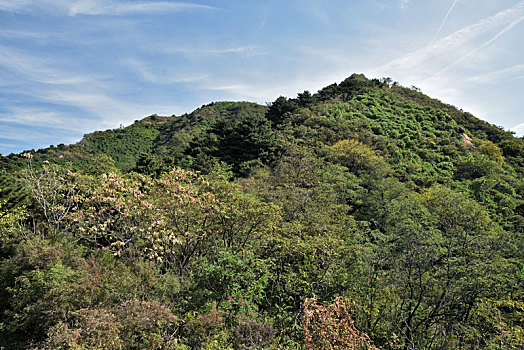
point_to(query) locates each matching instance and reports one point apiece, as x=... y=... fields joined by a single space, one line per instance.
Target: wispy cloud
x=13 y=6
x=101 y=107
x=40 y=70
x=517 y=78
x=425 y=62
x=265 y=14
x=244 y=50
x=169 y=76
x=518 y=129
x=506 y=29
x=38 y=117
x=506 y=73
x=99 y=7
x=25 y=134
x=445 y=19
x=9 y=146
x=263 y=90
x=80 y=110
x=81 y=94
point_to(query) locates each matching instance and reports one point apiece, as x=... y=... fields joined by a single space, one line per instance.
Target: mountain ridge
x=354 y=84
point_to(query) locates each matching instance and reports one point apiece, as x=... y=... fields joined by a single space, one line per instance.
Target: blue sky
x=69 y=67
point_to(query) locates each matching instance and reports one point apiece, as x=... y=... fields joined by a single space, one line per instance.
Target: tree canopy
x=366 y=215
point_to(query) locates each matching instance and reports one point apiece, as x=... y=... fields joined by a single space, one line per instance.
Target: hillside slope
x=223 y=227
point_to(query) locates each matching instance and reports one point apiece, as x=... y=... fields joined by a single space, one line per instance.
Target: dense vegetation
x=235 y=226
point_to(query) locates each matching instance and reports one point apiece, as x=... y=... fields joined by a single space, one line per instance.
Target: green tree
x=280 y=109
x=358 y=157
x=434 y=262
x=241 y=143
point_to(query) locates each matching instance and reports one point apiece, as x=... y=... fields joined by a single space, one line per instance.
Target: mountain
x=217 y=229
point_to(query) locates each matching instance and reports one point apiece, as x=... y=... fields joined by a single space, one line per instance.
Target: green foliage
x=210 y=230
x=241 y=143
x=358 y=157
x=124 y=145
x=436 y=259
x=150 y=164
x=492 y=151
x=281 y=108
x=10 y=227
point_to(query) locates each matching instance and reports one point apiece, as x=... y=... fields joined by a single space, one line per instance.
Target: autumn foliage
x=331 y=327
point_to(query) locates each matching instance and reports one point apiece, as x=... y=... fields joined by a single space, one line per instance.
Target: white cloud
x=506 y=29
x=263 y=90
x=109 y=110
x=505 y=73
x=40 y=79
x=84 y=111
x=37 y=117
x=9 y=146
x=14 y=6
x=89 y=95
x=244 y=50
x=147 y=73
x=259 y=91
x=98 y=7
x=445 y=18
x=428 y=61
x=518 y=129
x=74 y=101
x=30 y=135
x=40 y=70
x=404 y=4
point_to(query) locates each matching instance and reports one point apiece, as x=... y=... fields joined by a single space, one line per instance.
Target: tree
x=54 y=189
x=279 y=110
x=331 y=327
x=436 y=262
x=10 y=229
x=305 y=98
x=150 y=164
x=242 y=143
x=358 y=157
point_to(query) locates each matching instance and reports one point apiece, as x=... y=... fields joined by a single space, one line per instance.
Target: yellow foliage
x=492 y=151
x=357 y=156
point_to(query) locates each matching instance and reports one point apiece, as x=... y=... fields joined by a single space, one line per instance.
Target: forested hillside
x=366 y=215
